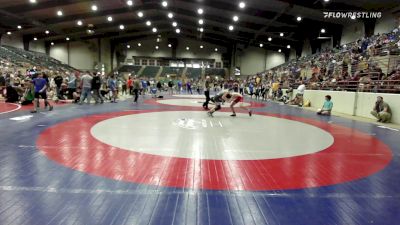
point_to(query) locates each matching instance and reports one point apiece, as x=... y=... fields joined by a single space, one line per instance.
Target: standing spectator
x=206 y=92
x=129 y=84
x=170 y=86
x=189 y=87
x=86 y=86
x=112 y=85
x=58 y=80
x=327 y=107
x=40 y=85
x=96 y=84
x=71 y=85
x=136 y=88
x=381 y=111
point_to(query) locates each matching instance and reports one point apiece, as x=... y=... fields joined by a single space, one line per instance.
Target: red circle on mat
x=8 y=107
x=354 y=155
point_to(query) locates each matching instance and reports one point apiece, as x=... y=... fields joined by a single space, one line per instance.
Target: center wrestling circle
x=187 y=153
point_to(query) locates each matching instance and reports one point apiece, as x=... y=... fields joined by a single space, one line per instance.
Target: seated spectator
x=327 y=107
x=381 y=111
x=12 y=95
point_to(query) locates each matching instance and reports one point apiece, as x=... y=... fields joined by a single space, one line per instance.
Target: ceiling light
x=158 y=39
x=164 y=3
x=288 y=46
x=323 y=30
x=121 y=27
x=94 y=7
x=235 y=18
x=279 y=50
x=281 y=34
x=52 y=43
x=178 y=30
x=174 y=24
x=148 y=23
x=326 y=0
x=140 y=14
x=35 y=38
x=79 y=23
x=154 y=30
x=139 y=44
x=200 y=11
x=19 y=27
x=270 y=39
x=157 y=47
x=59 y=13
x=230 y=27
x=47 y=32
x=201 y=46
x=169 y=45
x=128 y=46
x=109 y=19
x=170 y=15
x=201 y=29
x=67 y=38
x=129 y=3
x=187 y=48
x=216 y=49
x=299 y=18
x=9 y=33
x=242 y=5
x=261 y=45
x=201 y=21
x=32 y=1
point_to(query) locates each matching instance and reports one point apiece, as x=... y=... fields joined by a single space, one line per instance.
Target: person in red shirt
x=129 y=84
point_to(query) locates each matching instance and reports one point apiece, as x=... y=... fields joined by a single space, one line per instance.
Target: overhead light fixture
x=216 y=49
x=200 y=11
x=187 y=48
x=270 y=39
x=59 y=13
x=67 y=38
x=242 y=5
x=157 y=47
x=288 y=46
x=79 y=23
x=201 y=46
x=169 y=45
x=154 y=30
x=281 y=34
x=158 y=39
x=129 y=3
x=279 y=50
x=201 y=29
x=128 y=46
x=235 y=18
x=164 y=3
x=94 y=8
x=170 y=15
x=35 y=38
x=174 y=24
x=299 y=18
x=178 y=30
x=9 y=33
x=148 y=23
x=140 y=14
x=52 y=43
x=230 y=27
x=19 y=27
x=326 y=0
x=32 y=1
x=109 y=19
x=323 y=30
x=261 y=45
x=201 y=21
x=139 y=44
x=121 y=27
x=47 y=32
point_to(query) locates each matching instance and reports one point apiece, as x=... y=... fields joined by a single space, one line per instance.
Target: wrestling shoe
x=210 y=114
x=250 y=113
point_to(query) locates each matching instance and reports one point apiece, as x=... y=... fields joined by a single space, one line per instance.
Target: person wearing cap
x=327 y=107
x=381 y=111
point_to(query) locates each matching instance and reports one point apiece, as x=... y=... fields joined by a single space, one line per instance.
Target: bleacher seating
x=194 y=73
x=171 y=70
x=150 y=71
x=129 y=69
x=215 y=72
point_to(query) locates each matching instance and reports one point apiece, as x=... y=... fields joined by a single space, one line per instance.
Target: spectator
x=327 y=107
x=86 y=85
x=96 y=84
x=381 y=111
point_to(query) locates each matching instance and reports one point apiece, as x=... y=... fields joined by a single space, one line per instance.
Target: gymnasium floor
x=167 y=162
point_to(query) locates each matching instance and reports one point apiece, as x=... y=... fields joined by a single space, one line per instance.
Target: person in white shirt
x=298 y=100
x=86 y=85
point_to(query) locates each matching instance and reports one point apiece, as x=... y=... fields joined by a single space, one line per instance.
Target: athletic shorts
x=42 y=95
x=238 y=99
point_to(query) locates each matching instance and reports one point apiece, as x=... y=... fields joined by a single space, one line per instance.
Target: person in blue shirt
x=327 y=107
x=112 y=85
x=40 y=86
